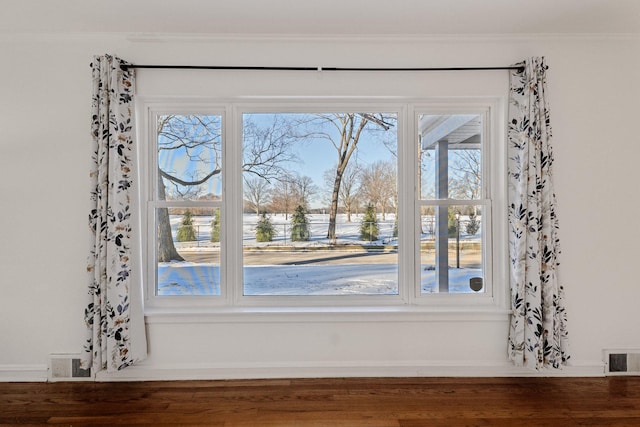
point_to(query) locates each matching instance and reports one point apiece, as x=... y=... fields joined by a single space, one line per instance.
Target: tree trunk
x=166 y=249
x=348 y=144
x=333 y=208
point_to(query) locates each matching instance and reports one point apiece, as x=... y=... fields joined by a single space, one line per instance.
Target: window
x=337 y=204
x=453 y=202
x=321 y=203
x=185 y=203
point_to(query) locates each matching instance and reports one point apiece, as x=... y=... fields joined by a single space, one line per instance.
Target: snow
x=189 y=278
x=350 y=279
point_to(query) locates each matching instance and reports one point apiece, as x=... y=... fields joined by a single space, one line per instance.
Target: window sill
x=326 y=314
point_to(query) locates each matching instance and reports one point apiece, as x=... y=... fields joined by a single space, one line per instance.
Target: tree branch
x=177 y=180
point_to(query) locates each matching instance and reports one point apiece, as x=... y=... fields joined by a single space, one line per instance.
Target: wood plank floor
x=405 y=402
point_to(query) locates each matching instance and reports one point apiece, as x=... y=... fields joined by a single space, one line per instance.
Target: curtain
x=113 y=316
x=538 y=331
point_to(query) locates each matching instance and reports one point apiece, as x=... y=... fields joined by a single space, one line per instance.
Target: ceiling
x=322 y=17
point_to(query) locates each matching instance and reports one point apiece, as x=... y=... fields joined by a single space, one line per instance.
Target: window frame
x=409 y=298
x=148 y=165
x=492 y=186
x=314 y=106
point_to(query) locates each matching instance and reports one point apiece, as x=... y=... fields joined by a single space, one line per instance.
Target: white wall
x=44 y=157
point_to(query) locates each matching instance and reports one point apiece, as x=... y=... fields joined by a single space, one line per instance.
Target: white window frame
x=409 y=299
x=317 y=106
x=148 y=201
x=493 y=201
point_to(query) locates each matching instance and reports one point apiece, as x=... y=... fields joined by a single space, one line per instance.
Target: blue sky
x=314 y=156
x=318 y=155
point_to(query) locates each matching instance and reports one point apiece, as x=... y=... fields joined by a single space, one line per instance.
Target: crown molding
x=366 y=38
x=192 y=38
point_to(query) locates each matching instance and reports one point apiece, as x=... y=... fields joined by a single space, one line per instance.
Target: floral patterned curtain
x=538 y=332
x=115 y=326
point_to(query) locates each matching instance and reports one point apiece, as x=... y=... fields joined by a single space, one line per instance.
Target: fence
x=316 y=231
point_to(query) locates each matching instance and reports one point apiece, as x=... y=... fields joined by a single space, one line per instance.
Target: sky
x=316 y=156
x=313 y=156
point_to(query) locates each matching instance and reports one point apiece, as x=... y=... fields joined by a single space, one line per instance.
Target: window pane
x=451 y=249
x=320 y=202
x=450 y=150
x=188 y=251
x=189 y=157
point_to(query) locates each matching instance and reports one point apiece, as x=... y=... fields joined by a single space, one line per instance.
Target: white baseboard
x=340 y=370
x=142 y=372
x=23 y=373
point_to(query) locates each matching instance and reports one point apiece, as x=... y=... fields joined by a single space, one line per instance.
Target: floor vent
x=66 y=367
x=622 y=362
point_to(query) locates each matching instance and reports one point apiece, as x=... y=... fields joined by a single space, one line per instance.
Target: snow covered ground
x=189 y=278
x=351 y=279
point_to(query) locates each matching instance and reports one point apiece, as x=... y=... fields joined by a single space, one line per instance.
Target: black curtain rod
x=230 y=67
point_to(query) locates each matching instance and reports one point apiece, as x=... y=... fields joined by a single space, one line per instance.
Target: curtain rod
x=230 y=67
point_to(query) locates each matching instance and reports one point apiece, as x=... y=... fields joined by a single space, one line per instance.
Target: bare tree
x=378 y=185
x=195 y=140
x=350 y=128
x=349 y=194
x=166 y=249
x=303 y=188
x=466 y=174
x=256 y=192
x=283 y=198
x=267 y=148
x=185 y=139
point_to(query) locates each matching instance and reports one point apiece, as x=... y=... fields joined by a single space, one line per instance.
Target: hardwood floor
x=405 y=402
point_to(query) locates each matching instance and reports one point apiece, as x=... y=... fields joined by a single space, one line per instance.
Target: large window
x=338 y=204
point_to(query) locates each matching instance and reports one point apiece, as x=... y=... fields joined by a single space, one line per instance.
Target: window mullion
x=234 y=200
x=409 y=248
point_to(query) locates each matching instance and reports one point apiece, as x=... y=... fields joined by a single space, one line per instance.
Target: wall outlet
x=66 y=367
x=622 y=362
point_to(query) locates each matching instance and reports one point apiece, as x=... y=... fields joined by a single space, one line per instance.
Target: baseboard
x=39 y=373
x=341 y=370
x=23 y=373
